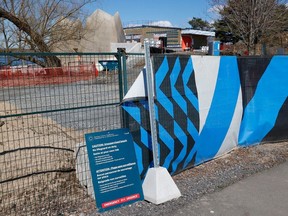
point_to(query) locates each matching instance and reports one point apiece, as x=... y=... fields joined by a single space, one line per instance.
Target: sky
x=177 y=12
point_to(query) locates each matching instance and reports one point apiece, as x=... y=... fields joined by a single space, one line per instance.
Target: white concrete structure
x=130 y=47
x=101 y=30
x=159 y=187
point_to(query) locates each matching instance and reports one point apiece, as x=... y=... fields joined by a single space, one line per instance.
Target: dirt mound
x=37 y=161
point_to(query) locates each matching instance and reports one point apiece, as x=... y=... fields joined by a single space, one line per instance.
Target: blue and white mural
x=199 y=107
x=265 y=86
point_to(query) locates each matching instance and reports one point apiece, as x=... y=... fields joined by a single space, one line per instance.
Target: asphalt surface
x=265 y=193
x=72 y=95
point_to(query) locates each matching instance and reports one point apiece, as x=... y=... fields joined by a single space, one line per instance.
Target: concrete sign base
x=159 y=187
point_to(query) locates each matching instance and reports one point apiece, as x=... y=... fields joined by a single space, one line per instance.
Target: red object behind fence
x=28 y=75
x=96 y=72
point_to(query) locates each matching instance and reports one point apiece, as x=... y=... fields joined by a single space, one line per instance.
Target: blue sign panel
x=216 y=48
x=113 y=168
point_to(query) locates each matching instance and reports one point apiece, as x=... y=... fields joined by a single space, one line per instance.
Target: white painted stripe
x=206 y=72
x=137 y=90
x=231 y=139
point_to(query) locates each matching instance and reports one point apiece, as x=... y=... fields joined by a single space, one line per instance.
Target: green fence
x=48 y=101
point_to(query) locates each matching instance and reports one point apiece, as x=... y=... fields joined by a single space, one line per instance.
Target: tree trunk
x=51 y=61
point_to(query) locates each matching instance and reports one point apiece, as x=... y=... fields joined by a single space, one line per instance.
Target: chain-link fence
x=47 y=103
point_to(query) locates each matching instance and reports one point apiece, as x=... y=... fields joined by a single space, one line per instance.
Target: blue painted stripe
x=145 y=104
x=261 y=113
x=169 y=141
x=221 y=111
x=156 y=112
x=159 y=78
x=180 y=134
x=192 y=130
x=195 y=134
x=139 y=157
x=186 y=76
x=145 y=138
x=175 y=94
x=133 y=111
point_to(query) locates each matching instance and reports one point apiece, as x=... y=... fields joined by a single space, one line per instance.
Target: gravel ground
x=210 y=177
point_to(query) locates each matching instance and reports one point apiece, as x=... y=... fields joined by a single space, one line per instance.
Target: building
x=170 y=37
x=196 y=39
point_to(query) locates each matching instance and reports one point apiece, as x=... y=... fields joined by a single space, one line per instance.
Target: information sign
x=114 y=170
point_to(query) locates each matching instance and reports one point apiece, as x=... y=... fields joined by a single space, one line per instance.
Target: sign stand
x=158 y=186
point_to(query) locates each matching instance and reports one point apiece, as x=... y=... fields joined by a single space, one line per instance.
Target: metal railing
x=48 y=101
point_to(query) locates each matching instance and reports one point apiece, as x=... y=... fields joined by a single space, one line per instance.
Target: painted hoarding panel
x=207 y=105
x=196 y=100
x=264 y=83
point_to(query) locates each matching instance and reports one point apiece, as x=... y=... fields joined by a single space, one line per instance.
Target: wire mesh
x=47 y=103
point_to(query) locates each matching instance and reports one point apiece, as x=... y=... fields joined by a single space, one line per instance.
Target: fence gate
x=48 y=101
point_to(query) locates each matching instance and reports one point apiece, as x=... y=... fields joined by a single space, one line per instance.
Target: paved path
x=264 y=194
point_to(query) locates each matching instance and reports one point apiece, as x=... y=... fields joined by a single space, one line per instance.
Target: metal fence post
x=158 y=185
x=122 y=76
x=150 y=90
x=118 y=56
x=120 y=83
x=124 y=69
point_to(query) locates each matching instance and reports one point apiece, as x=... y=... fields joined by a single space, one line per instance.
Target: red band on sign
x=120 y=200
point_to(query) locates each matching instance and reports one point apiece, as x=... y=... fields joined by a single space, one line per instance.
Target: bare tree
x=253 y=20
x=39 y=25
